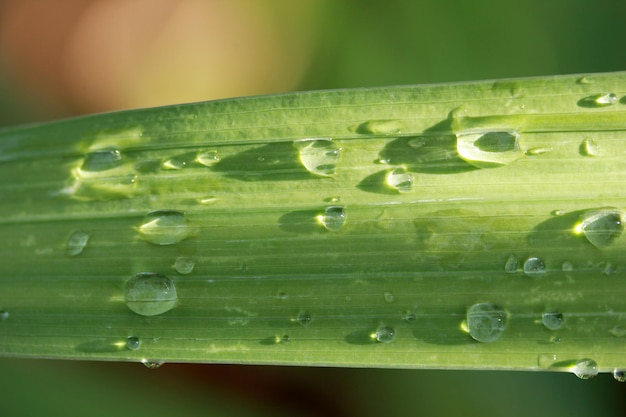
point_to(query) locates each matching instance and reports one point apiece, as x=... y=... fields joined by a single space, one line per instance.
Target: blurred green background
x=70 y=57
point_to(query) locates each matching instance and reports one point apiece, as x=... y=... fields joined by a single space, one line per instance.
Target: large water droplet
x=150 y=294
x=333 y=219
x=77 y=242
x=384 y=334
x=589 y=147
x=164 y=227
x=133 y=343
x=585 y=368
x=400 y=180
x=381 y=127
x=490 y=149
x=102 y=160
x=184 y=265
x=319 y=156
x=598 y=100
x=208 y=158
x=534 y=267
x=553 y=320
x=619 y=375
x=601 y=227
x=486 y=322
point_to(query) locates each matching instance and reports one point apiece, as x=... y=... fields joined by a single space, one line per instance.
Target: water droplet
x=567 y=266
x=174 y=164
x=133 y=343
x=381 y=127
x=333 y=199
x=77 y=242
x=383 y=334
x=101 y=160
x=4 y=315
x=319 y=156
x=598 y=100
x=410 y=317
x=487 y=150
x=389 y=297
x=553 y=320
x=152 y=364
x=400 y=180
x=557 y=212
x=208 y=158
x=619 y=375
x=585 y=368
x=538 y=151
x=304 y=319
x=184 y=265
x=601 y=227
x=278 y=339
x=281 y=295
x=486 y=322
x=534 y=267
x=164 y=227
x=511 y=264
x=207 y=200
x=618 y=331
x=333 y=218
x=589 y=147
x=150 y=294
x=584 y=80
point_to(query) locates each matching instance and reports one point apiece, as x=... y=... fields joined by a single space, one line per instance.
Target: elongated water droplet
x=150 y=364
x=384 y=334
x=164 y=227
x=598 y=100
x=400 y=180
x=486 y=322
x=534 y=267
x=619 y=375
x=488 y=149
x=208 y=158
x=538 y=151
x=133 y=343
x=101 y=160
x=333 y=219
x=553 y=320
x=585 y=368
x=511 y=264
x=304 y=319
x=585 y=79
x=381 y=127
x=184 y=265
x=601 y=227
x=150 y=294
x=589 y=147
x=77 y=242
x=319 y=156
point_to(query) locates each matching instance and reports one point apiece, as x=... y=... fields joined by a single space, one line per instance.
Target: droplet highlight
x=552 y=320
x=184 y=265
x=333 y=219
x=585 y=368
x=486 y=322
x=400 y=180
x=164 y=227
x=534 y=267
x=490 y=149
x=601 y=227
x=150 y=294
x=319 y=156
x=77 y=242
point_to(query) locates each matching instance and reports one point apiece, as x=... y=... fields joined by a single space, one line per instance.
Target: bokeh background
x=68 y=57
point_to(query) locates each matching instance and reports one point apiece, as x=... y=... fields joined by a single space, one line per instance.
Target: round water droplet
x=152 y=364
x=486 y=322
x=133 y=343
x=381 y=127
x=410 y=317
x=208 y=158
x=184 y=265
x=601 y=227
x=618 y=331
x=334 y=218
x=400 y=180
x=553 y=320
x=534 y=267
x=319 y=156
x=389 y=297
x=589 y=147
x=619 y=375
x=101 y=160
x=585 y=368
x=598 y=100
x=164 y=227
x=4 y=315
x=488 y=149
x=77 y=242
x=304 y=319
x=384 y=334
x=567 y=266
x=511 y=264
x=150 y=294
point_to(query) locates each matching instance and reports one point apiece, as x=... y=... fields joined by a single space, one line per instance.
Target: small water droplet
x=410 y=317
x=333 y=219
x=304 y=319
x=174 y=164
x=150 y=294
x=400 y=180
x=383 y=334
x=601 y=227
x=389 y=297
x=333 y=199
x=589 y=147
x=511 y=264
x=538 y=151
x=4 y=315
x=281 y=295
x=585 y=368
x=557 y=212
x=207 y=200
x=152 y=364
x=584 y=80
x=567 y=266
x=279 y=339
x=208 y=158
x=609 y=269
x=77 y=242
x=319 y=156
x=619 y=375
x=102 y=160
x=133 y=343
x=184 y=265
x=490 y=149
x=618 y=331
x=553 y=320
x=164 y=227
x=381 y=127
x=534 y=267
x=486 y=322
x=598 y=100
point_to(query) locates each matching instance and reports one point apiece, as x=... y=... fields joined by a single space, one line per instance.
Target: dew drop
x=174 y=164
x=304 y=319
x=585 y=368
x=567 y=266
x=534 y=267
x=619 y=375
x=133 y=343
x=584 y=80
x=487 y=150
x=618 y=331
x=184 y=265
x=208 y=158
x=150 y=294
x=589 y=147
x=400 y=180
x=333 y=219
x=319 y=156
x=410 y=317
x=381 y=127
x=389 y=297
x=383 y=334
x=4 y=315
x=553 y=320
x=601 y=227
x=486 y=322
x=77 y=242
x=511 y=264
x=538 y=151
x=164 y=227
x=598 y=100
x=152 y=364
x=101 y=160
x=281 y=295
